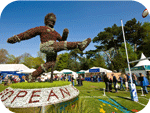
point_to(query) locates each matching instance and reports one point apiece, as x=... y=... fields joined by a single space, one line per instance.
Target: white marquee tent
x=54 y=72
x=141 y=67
x=69 y=71
x=142 y=62
x=27 y=71
x=13 y=67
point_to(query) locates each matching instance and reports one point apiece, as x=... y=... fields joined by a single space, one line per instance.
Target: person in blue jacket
x=144 y=82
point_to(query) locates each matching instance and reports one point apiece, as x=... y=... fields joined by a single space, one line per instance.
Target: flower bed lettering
x=18 y=98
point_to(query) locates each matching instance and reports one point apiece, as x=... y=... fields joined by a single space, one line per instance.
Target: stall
x=96 y=71
x=143 y=66
x=67 y=71
x=12 y=69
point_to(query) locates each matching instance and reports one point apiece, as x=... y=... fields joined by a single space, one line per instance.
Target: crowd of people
x=9 y=79
x=110 y=81
x=125 y=80
x=96 y=78
x=64 y=77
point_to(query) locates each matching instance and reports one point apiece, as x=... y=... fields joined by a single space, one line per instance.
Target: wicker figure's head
x=50 y=20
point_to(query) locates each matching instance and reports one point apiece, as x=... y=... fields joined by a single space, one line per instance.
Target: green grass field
x=91 y=100
x=92 y=92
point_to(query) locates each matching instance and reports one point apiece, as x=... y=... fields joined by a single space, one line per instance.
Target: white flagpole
x=133 y=92
x=126 y=52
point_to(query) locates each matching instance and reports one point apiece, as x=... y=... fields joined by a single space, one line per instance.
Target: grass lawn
x=91 y=100
x=112 y=102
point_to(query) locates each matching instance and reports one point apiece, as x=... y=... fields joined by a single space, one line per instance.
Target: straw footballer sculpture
x=49 y=46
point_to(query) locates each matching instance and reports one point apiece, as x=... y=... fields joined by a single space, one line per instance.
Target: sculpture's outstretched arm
x=25 y=35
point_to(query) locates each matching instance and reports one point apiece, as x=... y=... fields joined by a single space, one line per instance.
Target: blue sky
x=83 y=19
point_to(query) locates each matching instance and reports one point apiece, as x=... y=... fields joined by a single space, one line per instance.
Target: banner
x=135 y=68
x=133 y=92
x=94 y=70
x=20 y=98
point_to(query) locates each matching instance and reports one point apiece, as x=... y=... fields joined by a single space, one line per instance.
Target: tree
x=75 y=53
x=99 y=61
x=74 y=56
x=41 y=55
x=37 y=61
x=84 y=63
x=134 y=33
x=3 y=56
x=28 y=61
x=32 y=62
x=62 y=63
x=120 y=60
x=73 y=65
x=11 y=59
x=91 y=53
x=109 y=40
x=24 y=57
x=144 y=47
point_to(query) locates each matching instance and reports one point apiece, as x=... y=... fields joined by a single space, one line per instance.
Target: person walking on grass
x=134 y=79
x=106 y=82
x=110 y=83
x=128 y=78
x=79 y=80
x=115 y=82
x=72 y=80
x=126 y=82
x=121 y=82
x=144 y=82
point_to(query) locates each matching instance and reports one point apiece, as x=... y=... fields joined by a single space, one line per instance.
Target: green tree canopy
x=99 y=61
x=134 y=33
x=120 y=60
x=144 y=47
x=110 y=40
x=32 y=62
x=3 y=56
x=62 y=62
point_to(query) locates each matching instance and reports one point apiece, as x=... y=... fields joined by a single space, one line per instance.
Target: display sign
x=67 y=72
x=133 y=92
x=136 y=68
x=20 y=98
x=94 y=70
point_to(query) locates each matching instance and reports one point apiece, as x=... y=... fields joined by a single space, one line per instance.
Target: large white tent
x=69 y=71
x=141 y=67
x=96 y=69
x=28 y=71
x=54 y=72
x=13 y=67
x=143 y=62
x=57 y=72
